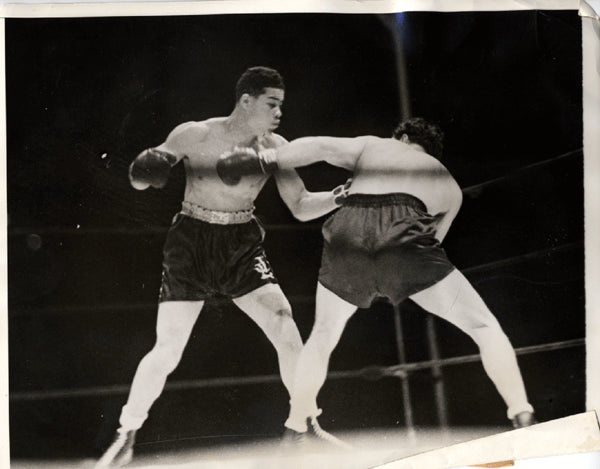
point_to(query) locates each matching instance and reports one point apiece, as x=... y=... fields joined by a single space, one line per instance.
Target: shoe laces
x=322 y=434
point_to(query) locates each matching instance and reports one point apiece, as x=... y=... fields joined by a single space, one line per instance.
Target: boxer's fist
x=232 y=165
x=151 y=168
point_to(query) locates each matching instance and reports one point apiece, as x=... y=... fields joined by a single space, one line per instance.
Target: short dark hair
x=254 y=81
x=424 y=133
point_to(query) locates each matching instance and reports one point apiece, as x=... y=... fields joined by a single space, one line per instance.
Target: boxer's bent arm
x=171 y=151
x=184 y=138
x=337 y=151
x=151 y=168
x=448 y=218
x=303 y=204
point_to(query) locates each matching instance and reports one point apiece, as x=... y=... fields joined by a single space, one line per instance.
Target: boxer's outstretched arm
x=337 y=151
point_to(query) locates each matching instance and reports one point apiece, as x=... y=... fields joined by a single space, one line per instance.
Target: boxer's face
x=264 y=111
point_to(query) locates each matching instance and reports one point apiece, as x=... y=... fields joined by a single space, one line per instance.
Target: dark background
x=84 y=96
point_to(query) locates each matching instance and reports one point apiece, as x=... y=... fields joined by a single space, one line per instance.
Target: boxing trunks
x=381 y=246
x=211 y=253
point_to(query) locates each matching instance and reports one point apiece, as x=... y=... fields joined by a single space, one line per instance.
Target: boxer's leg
x=173 y=327
x=268 y=307
x=455 y=300
x=331 y=316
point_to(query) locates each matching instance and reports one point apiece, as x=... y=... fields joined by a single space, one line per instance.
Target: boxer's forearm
x=313 y=205
x=306 y=205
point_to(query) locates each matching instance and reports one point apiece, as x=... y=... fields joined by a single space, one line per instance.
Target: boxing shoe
x=120 y=453
x=293 y=439
x=523 y=419
x=313 y=433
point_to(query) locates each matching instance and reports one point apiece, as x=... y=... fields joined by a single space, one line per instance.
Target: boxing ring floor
x=369 y=449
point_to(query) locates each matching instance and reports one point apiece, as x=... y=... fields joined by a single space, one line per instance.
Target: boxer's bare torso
x=199 y=145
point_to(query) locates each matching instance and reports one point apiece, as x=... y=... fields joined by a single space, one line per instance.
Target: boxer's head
x=418 y=130
x=255 y=80
x=260 y=93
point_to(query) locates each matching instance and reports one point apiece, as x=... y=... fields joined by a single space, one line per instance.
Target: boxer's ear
x=245 y=99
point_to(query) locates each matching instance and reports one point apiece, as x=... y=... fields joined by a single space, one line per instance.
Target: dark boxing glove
x=151 y=168
x=232 y=165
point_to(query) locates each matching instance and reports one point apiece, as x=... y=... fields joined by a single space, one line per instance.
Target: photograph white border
x=589 y=11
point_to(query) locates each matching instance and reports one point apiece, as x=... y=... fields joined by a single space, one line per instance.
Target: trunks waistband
x=217 y=217
x=380 y=200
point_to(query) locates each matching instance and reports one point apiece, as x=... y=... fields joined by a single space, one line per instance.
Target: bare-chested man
x=214 y=245
x=385 y=242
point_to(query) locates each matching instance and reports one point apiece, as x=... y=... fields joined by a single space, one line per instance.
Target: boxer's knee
x=283 y=313
x=485 y=331
x=475 y=318
x=283 y=331
x=166 y=356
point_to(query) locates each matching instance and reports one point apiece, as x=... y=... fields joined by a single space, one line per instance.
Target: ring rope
x=294 y=299
x=371 y=373
x=161 y=230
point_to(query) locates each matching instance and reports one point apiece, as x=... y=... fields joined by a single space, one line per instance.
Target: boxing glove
x=232 y=165
x=151 y=168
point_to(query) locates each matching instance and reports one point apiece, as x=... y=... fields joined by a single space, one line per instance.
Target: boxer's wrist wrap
x=341 y=192
x=268 y=161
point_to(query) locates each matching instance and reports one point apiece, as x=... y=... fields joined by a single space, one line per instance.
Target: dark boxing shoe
x=523 y=419
x=120 y=453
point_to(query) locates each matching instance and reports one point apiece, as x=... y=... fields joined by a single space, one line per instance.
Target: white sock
x=296 y=425
x=130 y=422
x=298 y=422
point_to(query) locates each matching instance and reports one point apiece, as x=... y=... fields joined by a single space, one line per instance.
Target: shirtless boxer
x=385 y=242
x=214 y=245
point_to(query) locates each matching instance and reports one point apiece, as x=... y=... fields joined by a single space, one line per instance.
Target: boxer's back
x=387 y=165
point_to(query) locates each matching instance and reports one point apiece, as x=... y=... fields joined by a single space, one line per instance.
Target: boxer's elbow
x=303 y=206
x=301 y=211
